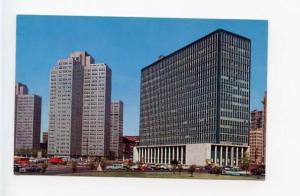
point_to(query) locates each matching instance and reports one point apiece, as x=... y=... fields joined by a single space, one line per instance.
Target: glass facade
x=198 y=94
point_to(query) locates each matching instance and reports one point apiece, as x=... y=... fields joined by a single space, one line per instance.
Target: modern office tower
x=256 y=145
x=79 y=115
x=65 y=112
x=116 y=119
x=27 y=119
x=257 y=119
x=194 y=104
x=96 y=110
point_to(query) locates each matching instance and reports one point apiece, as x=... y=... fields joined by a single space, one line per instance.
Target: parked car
x=31 y=168
x=56 y=160
x=260 y=170
x=116 y=166
x=151 y=167
x=164 y=167
x=16 y=168
x=134 y=167
x=235 y=171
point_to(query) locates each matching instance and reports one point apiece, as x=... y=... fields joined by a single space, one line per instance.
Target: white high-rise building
x=96 y=110
x=27 y=119
x=79 y=115
x=116 y=119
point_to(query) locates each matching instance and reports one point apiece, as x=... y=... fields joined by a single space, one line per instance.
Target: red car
x=56 y=160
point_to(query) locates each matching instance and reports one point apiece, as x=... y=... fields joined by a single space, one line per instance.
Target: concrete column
x=169 y=156
x=155 y=155
x=165 y=155
x=242 y=155
x=142 y=154
x=151 y=156
x=173 y=154
x=181 y=157
x=221 y=155
x=237 y=156
x=215 y=156
x=161 y=154
x=158 y=157
x=147 y=155
x=177 y=153
x=231 y=158
x=226 y=156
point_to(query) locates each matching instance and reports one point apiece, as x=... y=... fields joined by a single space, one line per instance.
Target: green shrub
x=192 y=169
x=74 y=166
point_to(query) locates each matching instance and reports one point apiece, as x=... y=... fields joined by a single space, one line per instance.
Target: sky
x=126 y=45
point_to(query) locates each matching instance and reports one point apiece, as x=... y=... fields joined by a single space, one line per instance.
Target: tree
x=174 y=164
x=246 y=162
x=216 y=170
x=192 y=169
x=180 y=169
x=74 y=166
x=92 y=165
x=44 y=167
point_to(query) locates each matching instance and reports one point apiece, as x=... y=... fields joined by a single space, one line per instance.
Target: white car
x=115 y=167
x=134 y=167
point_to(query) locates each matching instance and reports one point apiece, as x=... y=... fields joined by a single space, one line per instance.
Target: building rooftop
x=161 y=57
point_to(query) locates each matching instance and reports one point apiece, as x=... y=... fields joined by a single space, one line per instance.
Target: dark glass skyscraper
x=198 y=94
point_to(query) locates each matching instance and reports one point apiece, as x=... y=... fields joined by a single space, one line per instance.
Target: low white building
x=188 y=154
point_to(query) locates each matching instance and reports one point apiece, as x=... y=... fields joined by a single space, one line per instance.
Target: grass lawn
x=184 y=175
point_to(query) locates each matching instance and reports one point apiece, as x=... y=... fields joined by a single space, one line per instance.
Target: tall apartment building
x=27 y=119
x=116 y=119
x=77 y=106
x=257 y=120
x=195 y=103
x=257 y=135
x=96 y=110
x=264 y=102
x=256 y=145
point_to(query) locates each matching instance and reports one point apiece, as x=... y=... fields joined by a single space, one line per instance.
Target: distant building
x=195 y=103
x=79 y=114
x=21 y=89
x=264 y=102
x=129 y=142
x=116 y=119
x=45 y=137
x=257 y=135
x=256 y=145
x=27 y=119
x=257 y=120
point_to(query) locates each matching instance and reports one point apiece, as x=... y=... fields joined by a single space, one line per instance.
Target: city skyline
x=120 y=45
